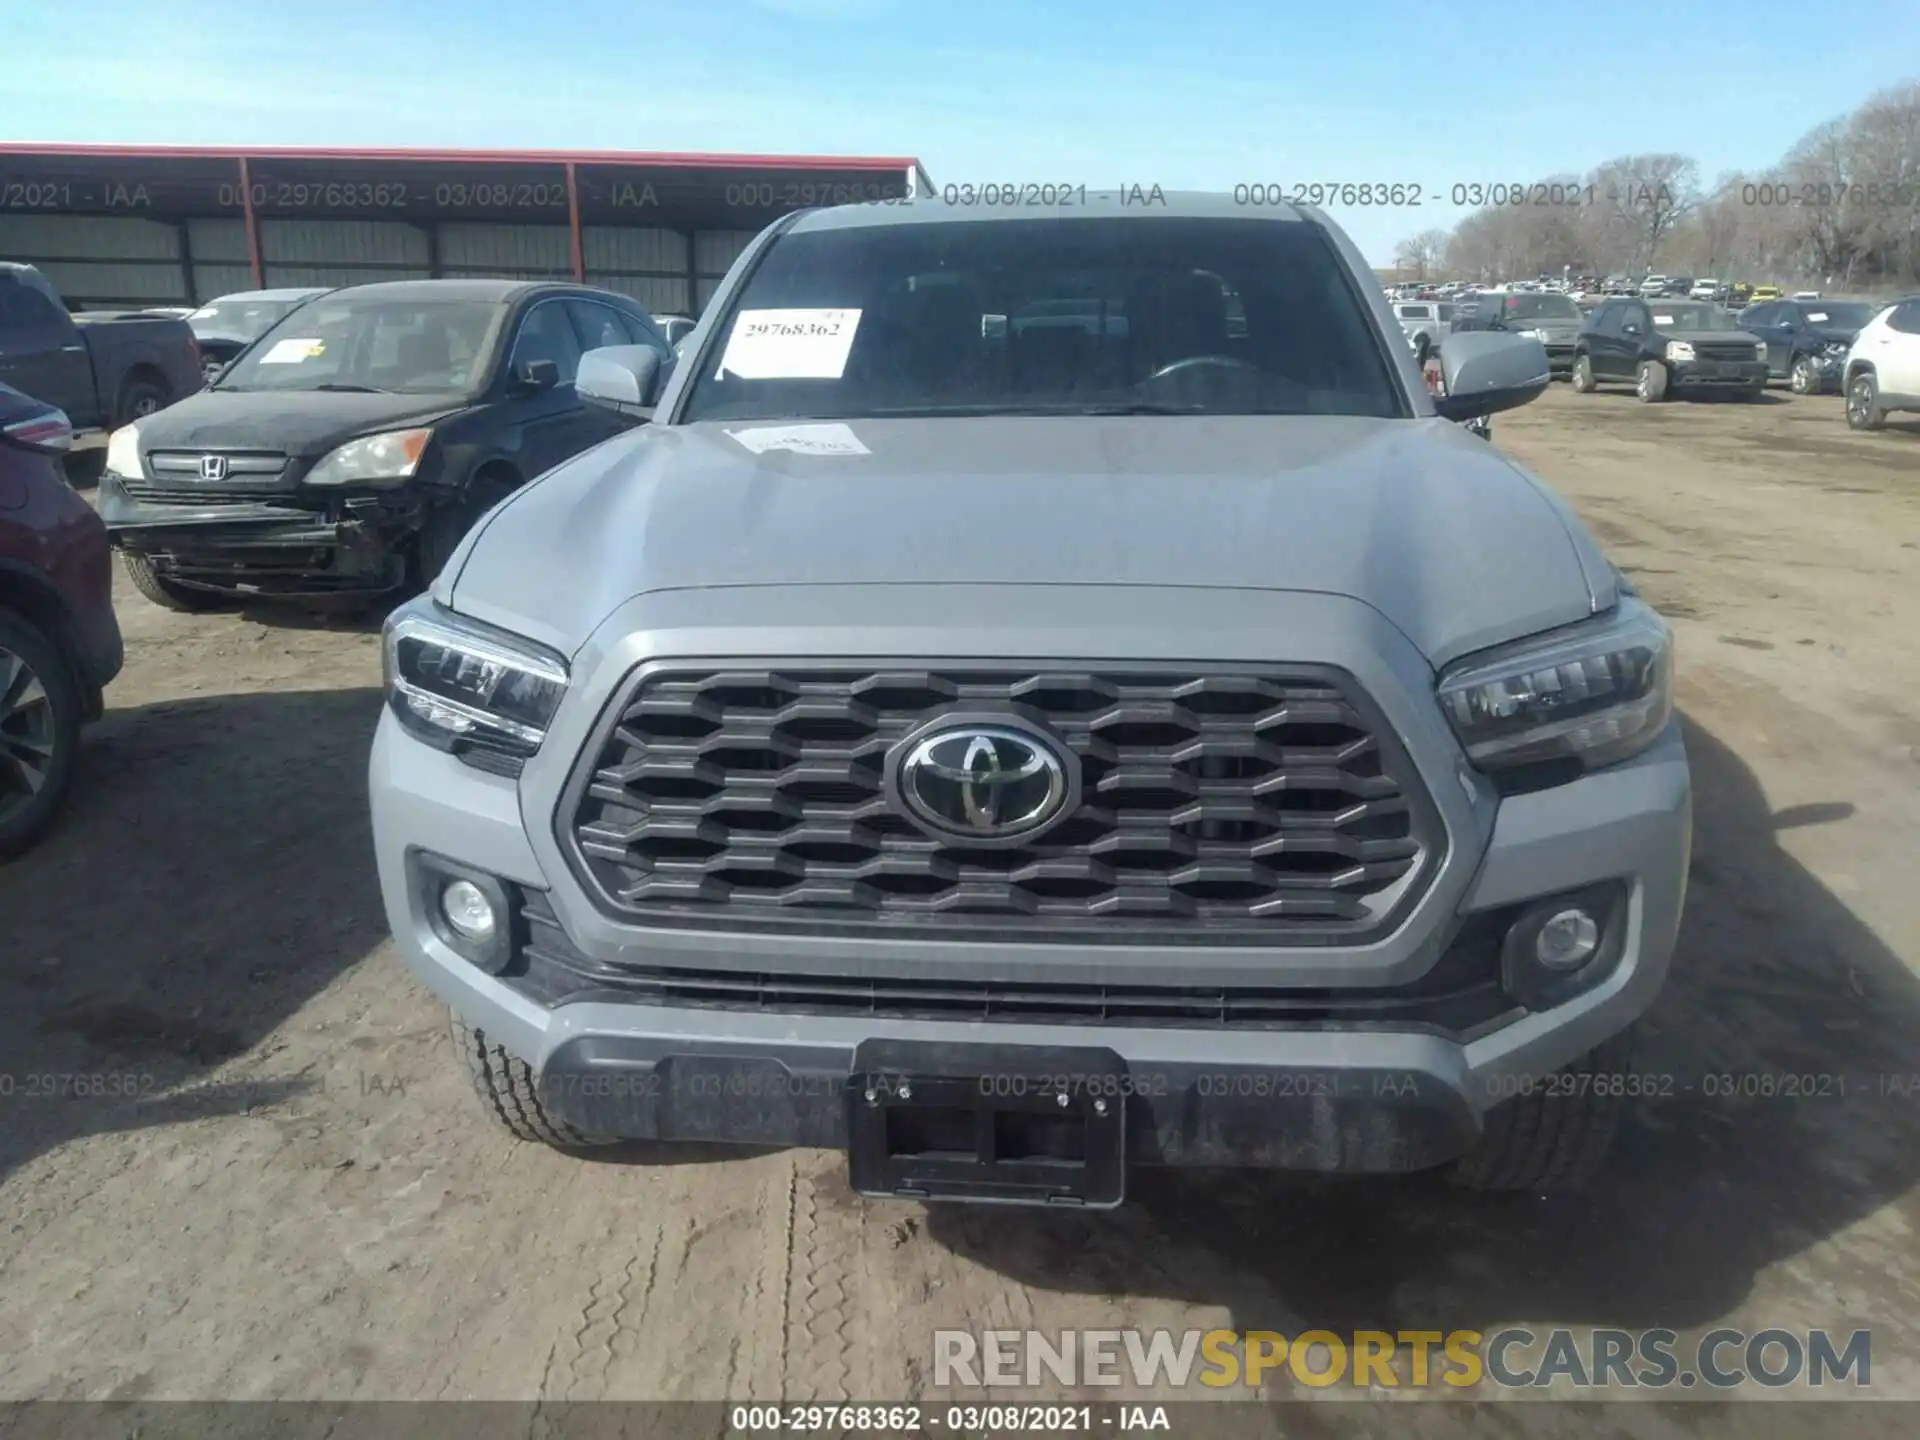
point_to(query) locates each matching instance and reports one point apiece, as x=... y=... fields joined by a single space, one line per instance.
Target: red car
x=59 y=641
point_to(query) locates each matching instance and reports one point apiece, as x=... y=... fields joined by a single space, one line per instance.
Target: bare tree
x=1421 y=253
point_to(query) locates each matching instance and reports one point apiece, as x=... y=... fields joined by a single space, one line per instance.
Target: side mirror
x=1486 y=372
x=538 y=374
x=626 y=379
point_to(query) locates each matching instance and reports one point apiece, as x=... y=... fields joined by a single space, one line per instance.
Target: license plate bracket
x=1012 y=1125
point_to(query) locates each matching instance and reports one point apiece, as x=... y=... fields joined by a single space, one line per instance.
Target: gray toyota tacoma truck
x=1048 y=692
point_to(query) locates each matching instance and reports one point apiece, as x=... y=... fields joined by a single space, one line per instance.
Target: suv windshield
x=1838 y=315
x=1693 y=317
x=1053 y=316
x=404 y=346
x=239 y=319
x=1539 y=307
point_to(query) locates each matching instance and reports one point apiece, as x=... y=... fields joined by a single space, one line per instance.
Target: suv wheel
x=509 y=1090
x=39 y=730
x=1650 y=381
x=165 y=593
x=1553 y=1139
x=1582 y=378
x=447 y=525
x=1803 y=379
x=1864 y=411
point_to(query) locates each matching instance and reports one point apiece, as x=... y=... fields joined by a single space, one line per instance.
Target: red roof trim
x=495 y=157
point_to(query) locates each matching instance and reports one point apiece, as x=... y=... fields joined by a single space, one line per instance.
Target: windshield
x=1187 y=315
x=1693 y=317
x=402 y=346
x=1839 y=314
x=239 y=319
x=1539 y=307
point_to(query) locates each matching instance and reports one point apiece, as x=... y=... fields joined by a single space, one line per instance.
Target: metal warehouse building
x=120 y=227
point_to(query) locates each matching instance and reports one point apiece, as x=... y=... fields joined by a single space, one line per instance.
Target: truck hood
x=1427 y=524
x=303 y=423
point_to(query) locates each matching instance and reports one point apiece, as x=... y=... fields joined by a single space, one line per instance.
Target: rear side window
x=1905 y=318
x=599 y=325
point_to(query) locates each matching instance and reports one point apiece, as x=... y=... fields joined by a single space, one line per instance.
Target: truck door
x=41 y=352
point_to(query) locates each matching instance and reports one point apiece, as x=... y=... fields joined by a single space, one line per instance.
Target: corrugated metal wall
x=127 y=260
x=342 y=252
x=220 y=264
x=647 y=263
x=714 y=252
x=120 y=259
x=527 y=252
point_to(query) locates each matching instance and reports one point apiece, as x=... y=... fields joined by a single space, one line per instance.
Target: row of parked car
x=328 y=445
x=1670 y=346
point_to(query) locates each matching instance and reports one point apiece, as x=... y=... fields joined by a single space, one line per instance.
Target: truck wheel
x=1650 y=381
x=1582 y=378
x=1803 y=379
x=508 y=1090
x=1552 y=1139
x=1863 y=403
x=140 y=396
x=165 y=593
x=39 y=731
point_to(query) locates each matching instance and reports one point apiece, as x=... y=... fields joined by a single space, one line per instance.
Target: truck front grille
x=1722 y=350
x=1225 y=805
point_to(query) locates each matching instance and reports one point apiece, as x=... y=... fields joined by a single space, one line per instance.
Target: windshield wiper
x=1132 y=407
x=351 y=389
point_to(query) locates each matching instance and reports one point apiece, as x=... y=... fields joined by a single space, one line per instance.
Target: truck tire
x=1650 y=381
x=40 y=709
x=164 y=593
x=1582 y=377
x=140 y=395
x=509 y=1092
x=1553 y=1139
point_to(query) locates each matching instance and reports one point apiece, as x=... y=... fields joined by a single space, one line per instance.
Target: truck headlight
x=1679 y=350
x=1594 y=693
x=469 y=688
x=386 y=459
x=123 y=451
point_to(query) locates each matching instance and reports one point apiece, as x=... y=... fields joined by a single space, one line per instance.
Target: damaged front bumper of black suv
x=275 y=548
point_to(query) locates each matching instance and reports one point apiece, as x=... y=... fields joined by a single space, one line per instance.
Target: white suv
x=1882 y=370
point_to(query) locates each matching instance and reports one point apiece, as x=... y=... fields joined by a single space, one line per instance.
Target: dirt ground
x=303 y=1201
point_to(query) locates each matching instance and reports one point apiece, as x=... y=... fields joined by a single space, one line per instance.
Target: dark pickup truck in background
x=102 y=371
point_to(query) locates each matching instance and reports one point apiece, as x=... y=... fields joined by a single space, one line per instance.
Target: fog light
x=1567 y=940
x=468 y=912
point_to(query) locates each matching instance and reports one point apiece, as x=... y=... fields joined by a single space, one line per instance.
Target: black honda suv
x=352 y=446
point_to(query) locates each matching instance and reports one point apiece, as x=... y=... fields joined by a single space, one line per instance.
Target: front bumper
x=1327 y=1096
x=277 y=547
x=1719 y=374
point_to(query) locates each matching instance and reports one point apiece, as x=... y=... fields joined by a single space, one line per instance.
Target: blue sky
x=1190 y=96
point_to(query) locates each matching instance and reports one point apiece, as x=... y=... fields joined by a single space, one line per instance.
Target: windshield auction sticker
x=822 y=439
x=789 y=344
x=292 y=352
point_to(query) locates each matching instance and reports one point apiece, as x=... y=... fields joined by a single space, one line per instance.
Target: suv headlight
x=1594 y=693
x=123 y=451
x=467 y=688
x=1679 y=350
x=386 y=459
